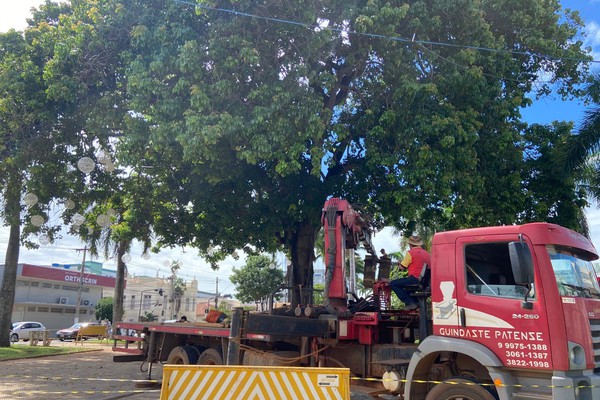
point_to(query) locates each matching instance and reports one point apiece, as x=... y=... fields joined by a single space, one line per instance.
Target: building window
x=132 y=303
x=22 y=283
x=147 y=301
x=35 y=284
x=56 y=286
x=31 y=308
x=42 y=309
x=56 y=310
x=69 y=311
x=187 y=304
x=47 y=285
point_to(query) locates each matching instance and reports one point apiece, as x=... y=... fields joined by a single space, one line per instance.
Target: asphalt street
x=89 y=375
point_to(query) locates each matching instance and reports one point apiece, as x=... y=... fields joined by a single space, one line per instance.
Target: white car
x=20 y=330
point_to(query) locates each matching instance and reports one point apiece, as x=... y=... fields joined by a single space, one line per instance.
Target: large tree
x=252 y=114
x=37 y=148
x=55 y=77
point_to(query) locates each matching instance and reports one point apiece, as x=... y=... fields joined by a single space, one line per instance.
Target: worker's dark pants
x=397 y=286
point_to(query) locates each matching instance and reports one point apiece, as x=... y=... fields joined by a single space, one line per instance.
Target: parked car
x=20 y=330
x=71 y=333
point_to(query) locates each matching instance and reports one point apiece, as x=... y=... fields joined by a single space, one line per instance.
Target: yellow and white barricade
x=221 y=382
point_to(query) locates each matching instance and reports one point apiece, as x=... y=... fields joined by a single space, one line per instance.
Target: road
x=90 y=375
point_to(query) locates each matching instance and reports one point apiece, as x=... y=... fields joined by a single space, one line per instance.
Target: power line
x=187 y=273
x=381 y=36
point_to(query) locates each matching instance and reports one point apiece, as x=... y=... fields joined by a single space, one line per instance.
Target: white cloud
x=592 y=31
x=386 y=239
x=15 y=13
x=593 y=217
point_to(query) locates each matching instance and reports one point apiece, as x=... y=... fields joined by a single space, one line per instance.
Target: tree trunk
x=302 y=252
x=9 y=278
x=119 y=284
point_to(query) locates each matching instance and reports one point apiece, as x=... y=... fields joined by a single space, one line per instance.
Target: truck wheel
x=210 y=357
x=182 y=355
x=459 y=389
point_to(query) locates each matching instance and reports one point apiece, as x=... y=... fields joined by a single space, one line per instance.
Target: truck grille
x=595 y=330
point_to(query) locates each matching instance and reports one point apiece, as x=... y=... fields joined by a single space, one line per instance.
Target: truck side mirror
x=521 y=263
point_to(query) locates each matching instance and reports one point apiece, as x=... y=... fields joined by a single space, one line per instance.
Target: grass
x=26 y=351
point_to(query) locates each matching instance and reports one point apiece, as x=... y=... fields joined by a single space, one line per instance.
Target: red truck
x=509 y=312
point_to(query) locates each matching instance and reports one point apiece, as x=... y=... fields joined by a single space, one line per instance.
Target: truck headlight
x=576 y=356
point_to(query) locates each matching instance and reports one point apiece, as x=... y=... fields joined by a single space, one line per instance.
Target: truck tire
x=182 y=355
x=210 y=357
x=459 y=389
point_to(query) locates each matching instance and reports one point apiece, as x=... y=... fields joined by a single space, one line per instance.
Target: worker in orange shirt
x=414 y=260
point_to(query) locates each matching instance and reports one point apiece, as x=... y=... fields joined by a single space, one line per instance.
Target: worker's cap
x=415 y=241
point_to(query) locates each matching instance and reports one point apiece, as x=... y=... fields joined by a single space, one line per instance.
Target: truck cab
x=515 y=308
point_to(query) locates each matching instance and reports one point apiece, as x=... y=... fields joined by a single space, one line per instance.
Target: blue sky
x=552 y=108
x=546 y=110
x=14 y=14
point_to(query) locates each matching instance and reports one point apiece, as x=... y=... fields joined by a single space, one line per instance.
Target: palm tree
x=583 y=149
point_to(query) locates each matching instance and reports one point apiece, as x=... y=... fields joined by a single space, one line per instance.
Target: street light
x=160 y=293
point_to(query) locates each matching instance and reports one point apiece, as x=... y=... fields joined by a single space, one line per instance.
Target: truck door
x=487 y=306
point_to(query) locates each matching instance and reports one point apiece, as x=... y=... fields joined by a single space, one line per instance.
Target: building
x=49 y=294
x=319 y=276
x=147 y=295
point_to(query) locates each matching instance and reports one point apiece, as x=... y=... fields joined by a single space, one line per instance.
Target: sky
x=63 y=251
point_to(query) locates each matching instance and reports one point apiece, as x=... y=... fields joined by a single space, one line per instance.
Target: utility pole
x=80 y=288
x=172 y=314
x=217 y=295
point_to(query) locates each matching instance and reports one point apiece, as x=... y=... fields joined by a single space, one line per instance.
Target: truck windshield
x=575 y=274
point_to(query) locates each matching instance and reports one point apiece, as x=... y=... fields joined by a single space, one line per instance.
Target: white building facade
x=144 y=295
x=49 y=295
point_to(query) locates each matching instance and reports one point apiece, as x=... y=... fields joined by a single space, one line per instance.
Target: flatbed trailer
x=366 y=344
x=185 y=343
x=134 y=333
